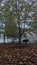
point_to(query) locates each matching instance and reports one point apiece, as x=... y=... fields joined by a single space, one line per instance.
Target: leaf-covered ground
x=12 y=54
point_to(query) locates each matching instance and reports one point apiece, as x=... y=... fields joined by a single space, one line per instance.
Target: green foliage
x=9 y=12
x=11 y=29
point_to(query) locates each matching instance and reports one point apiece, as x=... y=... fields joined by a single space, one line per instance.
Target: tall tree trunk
x=12 y=40
x=19 y=35
x=4 y=38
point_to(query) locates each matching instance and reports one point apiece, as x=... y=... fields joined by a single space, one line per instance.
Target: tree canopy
x=20 y=16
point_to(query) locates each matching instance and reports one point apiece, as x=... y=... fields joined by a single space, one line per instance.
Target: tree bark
x=4 y=38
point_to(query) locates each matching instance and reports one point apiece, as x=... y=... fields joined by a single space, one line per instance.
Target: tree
x=6 y=13
x=23 y=12
x=11 y=29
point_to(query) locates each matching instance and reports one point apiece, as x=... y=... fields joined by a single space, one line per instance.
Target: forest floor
x=16 y=54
